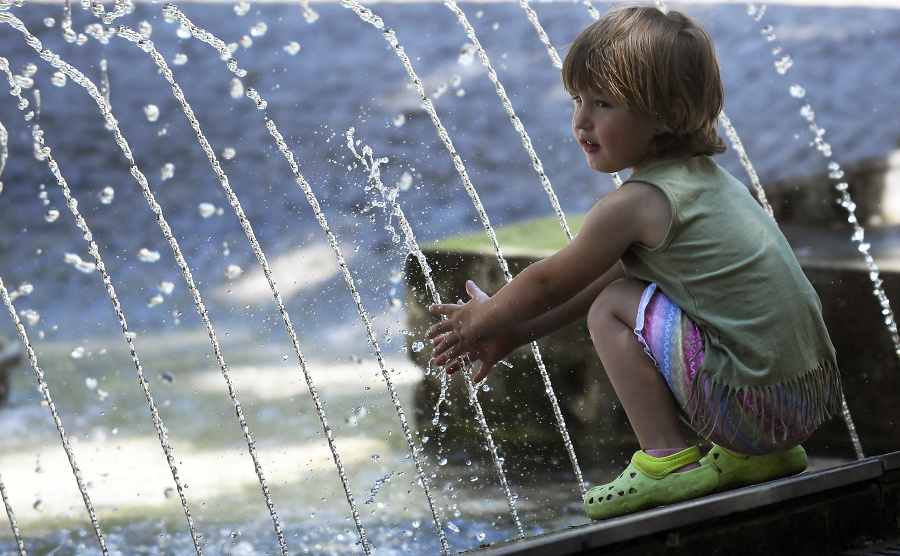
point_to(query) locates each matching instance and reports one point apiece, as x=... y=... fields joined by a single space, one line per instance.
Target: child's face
x=612 y=137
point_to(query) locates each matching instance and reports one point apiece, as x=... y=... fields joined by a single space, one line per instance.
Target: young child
x=694 y=300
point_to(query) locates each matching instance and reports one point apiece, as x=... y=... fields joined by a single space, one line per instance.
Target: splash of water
x=45 y=390
x=368 y=161
x=171 y=11
x=94 y=249
x=391 y=37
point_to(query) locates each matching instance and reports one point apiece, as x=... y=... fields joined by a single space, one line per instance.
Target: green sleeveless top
x=726 y=264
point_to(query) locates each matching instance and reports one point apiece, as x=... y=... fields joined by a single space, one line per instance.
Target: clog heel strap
x=657 y=468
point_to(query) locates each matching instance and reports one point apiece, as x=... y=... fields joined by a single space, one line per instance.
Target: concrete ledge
x=813 y=513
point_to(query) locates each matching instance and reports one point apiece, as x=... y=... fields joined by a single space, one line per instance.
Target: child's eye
x=576 y=99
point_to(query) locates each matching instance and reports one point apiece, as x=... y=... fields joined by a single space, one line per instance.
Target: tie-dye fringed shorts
x=675 y=343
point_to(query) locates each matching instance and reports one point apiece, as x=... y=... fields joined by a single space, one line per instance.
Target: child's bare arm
x=497 y=346
x=634 y=213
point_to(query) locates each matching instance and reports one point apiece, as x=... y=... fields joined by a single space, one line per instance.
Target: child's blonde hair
x=659 y=65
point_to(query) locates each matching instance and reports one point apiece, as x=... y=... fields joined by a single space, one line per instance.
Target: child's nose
x=580 y=120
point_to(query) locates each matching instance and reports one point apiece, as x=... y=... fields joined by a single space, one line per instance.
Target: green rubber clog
x=649 y=482
x=737 y=470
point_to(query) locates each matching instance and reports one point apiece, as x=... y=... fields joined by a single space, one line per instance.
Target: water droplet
x=91 y=383
x=480 y=537
x=151 y=111
x=259 y=29
x=254 y=95
x=154 y=301
x=83 y=266
x=206 y=209
x=834 y=171
x=310 y=16
x=228 y=153
x=452 y=526
x=797 y=91
x=236 y=89
x=168 y=378
x=405 y=181
x=292 y=48
x=78 y=352
x=233 y=271
x=107 y=195
x=756 y=12
x=145 y=29
x=467 y=54
x=169 y=492
x=24 y=82
x=375 y=457
x=49 y=21
x=807 y=112
x=783 y=64
x=183 y=32
x=399 y=120
x=167 y=171
x=31 y=316
x=418 y=346
x=179 y=59
x=166 y=287
x=51 y=215
x=148 y=256
x=242 y=8
x=29 y=69
x=58 y=79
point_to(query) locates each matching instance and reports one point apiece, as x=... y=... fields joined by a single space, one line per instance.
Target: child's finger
x=438 y=339
x=443 y=308
x=474 y=291
x=438 y=329
x=452 y=367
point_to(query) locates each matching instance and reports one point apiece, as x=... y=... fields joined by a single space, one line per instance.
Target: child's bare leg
x=666 y=470
x=641 y=388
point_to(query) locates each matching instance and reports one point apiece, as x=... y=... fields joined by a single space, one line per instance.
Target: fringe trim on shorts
x=814 y=397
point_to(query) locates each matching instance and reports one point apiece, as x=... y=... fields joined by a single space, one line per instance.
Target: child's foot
x=649 y=482
x=737 y=470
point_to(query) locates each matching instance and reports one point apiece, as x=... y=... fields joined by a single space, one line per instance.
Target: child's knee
x=601 y=313
x=616 y=305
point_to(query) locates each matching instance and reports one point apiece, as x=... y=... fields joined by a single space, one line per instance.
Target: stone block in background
x=520 y=415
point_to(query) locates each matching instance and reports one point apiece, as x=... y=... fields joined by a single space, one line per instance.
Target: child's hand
x=457 y=335
x=489 y=351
